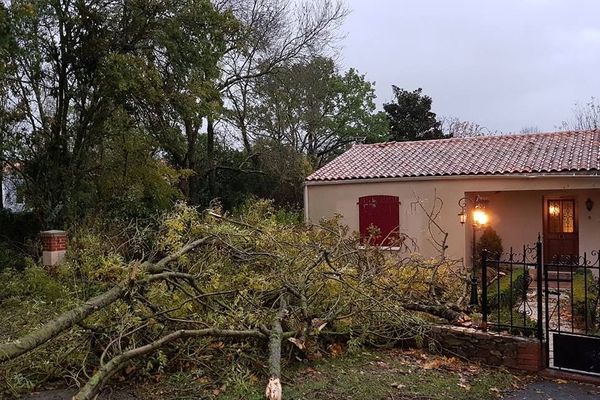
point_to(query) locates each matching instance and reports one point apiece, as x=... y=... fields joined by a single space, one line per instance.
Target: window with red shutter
x=379 y=219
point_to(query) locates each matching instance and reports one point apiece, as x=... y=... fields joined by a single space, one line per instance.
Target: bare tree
x=585 y=116
x=530 y=129
x=455 y=127
x=274 y=33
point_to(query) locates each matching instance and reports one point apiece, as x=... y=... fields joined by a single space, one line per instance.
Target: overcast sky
x=505 y=64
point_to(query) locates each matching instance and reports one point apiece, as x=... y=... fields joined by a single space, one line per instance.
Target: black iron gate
x=571 y=288
x=512 y=291
x=556 y=301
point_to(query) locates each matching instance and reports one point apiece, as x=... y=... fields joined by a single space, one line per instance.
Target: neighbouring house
x=12 y=195
x=520 y=185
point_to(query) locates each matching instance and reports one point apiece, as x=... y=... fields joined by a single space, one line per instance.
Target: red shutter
x=382 y=212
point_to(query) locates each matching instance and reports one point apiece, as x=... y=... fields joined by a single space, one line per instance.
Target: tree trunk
x=453 y=316
x=1 y=186
x=192 y=190
x=210 y=157
x=274 y=390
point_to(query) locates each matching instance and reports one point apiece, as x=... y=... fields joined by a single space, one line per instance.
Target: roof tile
x=572 y=151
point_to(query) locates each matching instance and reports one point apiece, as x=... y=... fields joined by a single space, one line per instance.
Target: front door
x=561 y=234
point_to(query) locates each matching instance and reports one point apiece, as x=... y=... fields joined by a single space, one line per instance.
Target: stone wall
x=491 y=348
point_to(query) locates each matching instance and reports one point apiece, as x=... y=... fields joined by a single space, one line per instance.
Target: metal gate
x=571 y=288
x=556 y=301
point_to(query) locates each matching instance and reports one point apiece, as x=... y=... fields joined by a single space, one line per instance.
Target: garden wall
x=491 y=348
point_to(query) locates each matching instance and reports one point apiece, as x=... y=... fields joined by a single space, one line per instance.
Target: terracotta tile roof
x=575 y=151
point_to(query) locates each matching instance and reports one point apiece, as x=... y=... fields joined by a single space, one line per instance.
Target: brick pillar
x=54 y=244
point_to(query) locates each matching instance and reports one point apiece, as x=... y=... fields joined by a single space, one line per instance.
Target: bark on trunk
x=11 y=350
x=1 y=186
x=210 y=157
x=453 y=316
x=274 y=390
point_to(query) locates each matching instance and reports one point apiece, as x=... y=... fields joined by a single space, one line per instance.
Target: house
x=520 y=185
x=12 y=196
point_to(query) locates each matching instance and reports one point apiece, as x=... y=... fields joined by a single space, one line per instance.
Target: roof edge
x=531 y=175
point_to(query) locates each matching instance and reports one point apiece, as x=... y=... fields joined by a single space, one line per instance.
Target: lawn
x=389 y=375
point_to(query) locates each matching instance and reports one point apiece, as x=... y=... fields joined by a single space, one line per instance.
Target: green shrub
x=521 y=324
x=508 y=295
x=579 y=297
x=33 y=283
x=490 y=242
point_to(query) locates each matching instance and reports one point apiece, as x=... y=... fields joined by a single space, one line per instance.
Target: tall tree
x=83 y=73
x=273 y=33
x=317 y=111
x=410 y=116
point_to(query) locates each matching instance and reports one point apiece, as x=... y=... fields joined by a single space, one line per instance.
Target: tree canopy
x=122 y=107
x=410 y=116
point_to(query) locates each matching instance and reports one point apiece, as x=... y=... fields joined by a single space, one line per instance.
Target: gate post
x=484 y=285
x=539 y=278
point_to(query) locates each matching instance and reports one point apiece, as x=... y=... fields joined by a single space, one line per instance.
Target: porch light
x=480 y=217
x=589 y=204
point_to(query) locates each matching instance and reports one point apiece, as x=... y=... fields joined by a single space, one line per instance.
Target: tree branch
x=65 y=321
x=93 y=386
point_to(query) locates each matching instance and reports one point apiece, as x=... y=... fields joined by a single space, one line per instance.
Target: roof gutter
x=448 y=177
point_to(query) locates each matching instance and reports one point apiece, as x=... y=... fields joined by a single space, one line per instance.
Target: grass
x=378 y=375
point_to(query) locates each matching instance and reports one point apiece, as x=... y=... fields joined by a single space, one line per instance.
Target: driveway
x=556 y=390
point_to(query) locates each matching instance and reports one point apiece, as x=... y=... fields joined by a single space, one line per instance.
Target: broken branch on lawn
x=65 y=321
x=94 y=385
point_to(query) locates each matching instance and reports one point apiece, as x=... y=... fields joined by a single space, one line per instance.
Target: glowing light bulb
x=480 y=217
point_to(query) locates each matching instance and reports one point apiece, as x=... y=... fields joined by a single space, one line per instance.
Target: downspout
x=305 y=202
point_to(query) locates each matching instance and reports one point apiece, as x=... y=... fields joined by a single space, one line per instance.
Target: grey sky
x=504 y=64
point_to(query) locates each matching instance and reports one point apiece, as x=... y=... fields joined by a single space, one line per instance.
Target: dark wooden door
x=561 y=232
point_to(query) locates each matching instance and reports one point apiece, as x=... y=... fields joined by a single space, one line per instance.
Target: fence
x=512 y=297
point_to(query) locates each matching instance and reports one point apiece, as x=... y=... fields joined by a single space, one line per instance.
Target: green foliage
x=317 y=111
x=504 y=296
x=115 y=99
x=506 y=293
x=585 y=297
x=246 y=265
x=410 y=116
x=521 y=323
x=491 y=242
x=18 y=239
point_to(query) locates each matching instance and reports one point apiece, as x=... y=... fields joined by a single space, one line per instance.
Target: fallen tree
x=255 y=279
x=11 y=350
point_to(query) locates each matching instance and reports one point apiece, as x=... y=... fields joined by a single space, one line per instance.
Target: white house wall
x=515 y=207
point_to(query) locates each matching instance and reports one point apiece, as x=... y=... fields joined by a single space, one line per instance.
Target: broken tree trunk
x=65 y=321
x=274 y=390
x=453 y=316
